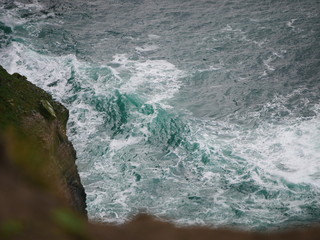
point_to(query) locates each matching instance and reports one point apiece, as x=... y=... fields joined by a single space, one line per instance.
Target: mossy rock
x=41 y=120
x=20 y=98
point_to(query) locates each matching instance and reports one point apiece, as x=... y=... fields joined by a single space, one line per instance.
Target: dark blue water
x=200 y=112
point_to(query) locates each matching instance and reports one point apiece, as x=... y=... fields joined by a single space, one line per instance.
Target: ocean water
x=198 y=112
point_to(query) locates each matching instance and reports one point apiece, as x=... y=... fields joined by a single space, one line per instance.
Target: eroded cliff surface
x=33 y=114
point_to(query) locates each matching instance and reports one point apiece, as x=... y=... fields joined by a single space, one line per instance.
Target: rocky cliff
x=39 y=183
x=31 y=112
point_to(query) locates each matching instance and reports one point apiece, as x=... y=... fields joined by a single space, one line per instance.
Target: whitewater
x=198 y=112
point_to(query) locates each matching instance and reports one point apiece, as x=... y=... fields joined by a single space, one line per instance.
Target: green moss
x=70 y=223
x=20 y=98
x=10 y=228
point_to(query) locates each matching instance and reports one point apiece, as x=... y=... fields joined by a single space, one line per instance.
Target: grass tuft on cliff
x=20 y=98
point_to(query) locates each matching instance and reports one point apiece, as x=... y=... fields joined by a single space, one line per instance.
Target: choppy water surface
x=200 y=112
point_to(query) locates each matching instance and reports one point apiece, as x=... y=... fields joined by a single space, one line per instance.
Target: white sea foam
x=215 y=68
x=12 y=17
x=117 y=144
x=156 y=80
x=153 y=37
x=291 y=22
x=290 y=151
x=147 y=48
x=267 y=63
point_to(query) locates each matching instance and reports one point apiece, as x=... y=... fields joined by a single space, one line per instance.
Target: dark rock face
x=33 y=113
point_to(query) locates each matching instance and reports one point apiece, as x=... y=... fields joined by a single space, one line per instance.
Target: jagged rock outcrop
x=32 y=113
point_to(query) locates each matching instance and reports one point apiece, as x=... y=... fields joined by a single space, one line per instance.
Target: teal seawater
x=199 y=112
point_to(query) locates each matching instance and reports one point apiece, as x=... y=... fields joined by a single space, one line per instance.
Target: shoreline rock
x=34 y=114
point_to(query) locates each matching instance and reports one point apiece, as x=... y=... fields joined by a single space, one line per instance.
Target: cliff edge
x=32 y=113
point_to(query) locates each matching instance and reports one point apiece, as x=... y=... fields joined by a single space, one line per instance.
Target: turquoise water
x=199 y=112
